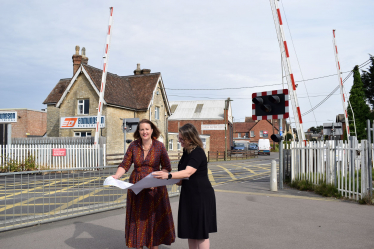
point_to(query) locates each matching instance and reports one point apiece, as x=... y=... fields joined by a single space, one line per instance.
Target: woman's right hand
x=179 y=183
x=116 y=177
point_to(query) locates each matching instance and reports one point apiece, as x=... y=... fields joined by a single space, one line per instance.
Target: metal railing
x=35 y=197
x=231 y=155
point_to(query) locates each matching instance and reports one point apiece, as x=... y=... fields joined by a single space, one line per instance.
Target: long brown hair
x=155 y=134
x=189 y=132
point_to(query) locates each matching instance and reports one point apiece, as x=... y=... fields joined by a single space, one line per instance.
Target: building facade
x=208 y=116
x=29 y=123
x=73 y=102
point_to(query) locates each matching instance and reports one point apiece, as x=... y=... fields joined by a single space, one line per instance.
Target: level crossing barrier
x=35 y=197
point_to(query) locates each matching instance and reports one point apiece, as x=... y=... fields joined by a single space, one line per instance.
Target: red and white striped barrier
x=103 y=78
x=287 y=66
x=341 y=85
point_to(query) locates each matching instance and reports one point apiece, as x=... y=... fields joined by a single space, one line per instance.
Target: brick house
x=208 y=116
x=253 y=130
x=30 y=123
x=141 y=95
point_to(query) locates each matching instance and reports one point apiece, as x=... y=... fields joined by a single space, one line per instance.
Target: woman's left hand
x=160 y=174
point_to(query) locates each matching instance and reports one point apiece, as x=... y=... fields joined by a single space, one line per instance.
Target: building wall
x=29 y=123
x=262 y=125
x=159 y=101
x=217 y=137
x=82 y=89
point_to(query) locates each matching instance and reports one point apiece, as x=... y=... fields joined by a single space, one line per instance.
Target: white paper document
x=147 y=182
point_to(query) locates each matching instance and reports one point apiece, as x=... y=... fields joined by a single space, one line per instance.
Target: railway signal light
x=270 y=105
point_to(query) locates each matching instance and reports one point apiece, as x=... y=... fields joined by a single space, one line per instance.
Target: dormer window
x=83 y=106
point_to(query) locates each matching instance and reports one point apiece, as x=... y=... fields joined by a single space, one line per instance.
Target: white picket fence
x=346 y=163
x=77 y=156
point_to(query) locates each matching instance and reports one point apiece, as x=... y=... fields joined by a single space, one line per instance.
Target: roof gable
x=133 y=92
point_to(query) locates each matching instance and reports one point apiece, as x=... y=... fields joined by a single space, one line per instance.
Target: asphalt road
x=249 y=216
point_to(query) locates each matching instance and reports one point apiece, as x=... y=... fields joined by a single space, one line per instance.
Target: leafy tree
x=361 y=110
x=288 y=136
x=317 y=129
x=367 y=78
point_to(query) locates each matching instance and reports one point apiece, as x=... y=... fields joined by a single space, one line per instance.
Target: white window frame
x=81 y=103
x=252 y=133
x=79 y=133
x=157 y=113
x=179 y=147
x=239 y=135
x=261 y=133
x=204 y=142
x=170 y=144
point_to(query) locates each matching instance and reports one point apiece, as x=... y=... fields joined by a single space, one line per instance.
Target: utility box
x=130 y=125
x=334 y=129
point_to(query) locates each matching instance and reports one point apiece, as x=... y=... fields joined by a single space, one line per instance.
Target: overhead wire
x=335 y=89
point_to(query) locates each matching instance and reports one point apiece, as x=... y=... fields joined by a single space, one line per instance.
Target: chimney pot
x=84 y=58
x=137 y=71
x=146 y=71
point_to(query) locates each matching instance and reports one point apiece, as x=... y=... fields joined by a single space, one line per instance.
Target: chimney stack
x=77 y=60
x=139 y=71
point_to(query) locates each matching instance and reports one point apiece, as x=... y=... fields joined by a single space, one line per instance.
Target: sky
x=194 y=44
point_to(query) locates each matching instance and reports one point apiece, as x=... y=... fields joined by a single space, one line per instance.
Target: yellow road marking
x=75 y=201
x=18 y=204
x=228 y=172
x=274 y=195
x=211 y=178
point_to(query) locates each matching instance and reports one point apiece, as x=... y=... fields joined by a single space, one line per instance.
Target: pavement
x=249 y=216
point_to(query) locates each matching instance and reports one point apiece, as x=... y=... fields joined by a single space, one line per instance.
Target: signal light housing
x=270 y=105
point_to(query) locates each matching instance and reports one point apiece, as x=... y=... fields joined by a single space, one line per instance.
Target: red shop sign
x=59 y=152
x=265 y=132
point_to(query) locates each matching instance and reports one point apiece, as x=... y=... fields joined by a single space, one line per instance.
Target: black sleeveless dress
x=197 y=202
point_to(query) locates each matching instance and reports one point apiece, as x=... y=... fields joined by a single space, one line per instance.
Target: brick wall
x=29 y=123
x=217 y=138
x=263 y=125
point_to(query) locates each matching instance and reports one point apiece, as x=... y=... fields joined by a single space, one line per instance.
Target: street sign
x=334 y=129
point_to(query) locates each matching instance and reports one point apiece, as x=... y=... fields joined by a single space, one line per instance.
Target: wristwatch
x=170 y=176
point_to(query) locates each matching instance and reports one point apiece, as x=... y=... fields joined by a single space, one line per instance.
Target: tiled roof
x=134 y=91
x=243 y=126
x=55 y=95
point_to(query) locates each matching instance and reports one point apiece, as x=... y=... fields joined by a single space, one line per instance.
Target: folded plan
x=147 y=182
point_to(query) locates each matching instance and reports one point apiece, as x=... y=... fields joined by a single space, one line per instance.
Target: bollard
x=273 y=176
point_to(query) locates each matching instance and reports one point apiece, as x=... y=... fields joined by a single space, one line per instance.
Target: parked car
x=239 y=146
x=253 y=146
x=264 y=147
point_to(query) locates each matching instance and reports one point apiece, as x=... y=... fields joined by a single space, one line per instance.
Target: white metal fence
x=345 y=164
x=41 y=155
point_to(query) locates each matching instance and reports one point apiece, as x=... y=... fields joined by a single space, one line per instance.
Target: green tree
x=367 y=78
x=361 y=110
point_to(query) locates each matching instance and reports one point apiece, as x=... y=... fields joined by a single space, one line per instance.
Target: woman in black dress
x=197 y=203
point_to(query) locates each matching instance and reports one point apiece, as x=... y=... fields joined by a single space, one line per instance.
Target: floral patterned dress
x=149 y=220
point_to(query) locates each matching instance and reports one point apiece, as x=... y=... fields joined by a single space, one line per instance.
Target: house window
x=246 y=135
x=83 y=106
x=82 y=134
x=178 y=145
x=171 y=144
x=239 y=135
x=261 y=133
x=157 y=113
x=252 y=134
x=204 y=142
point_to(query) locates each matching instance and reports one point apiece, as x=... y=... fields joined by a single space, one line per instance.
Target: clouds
x=194 y=44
